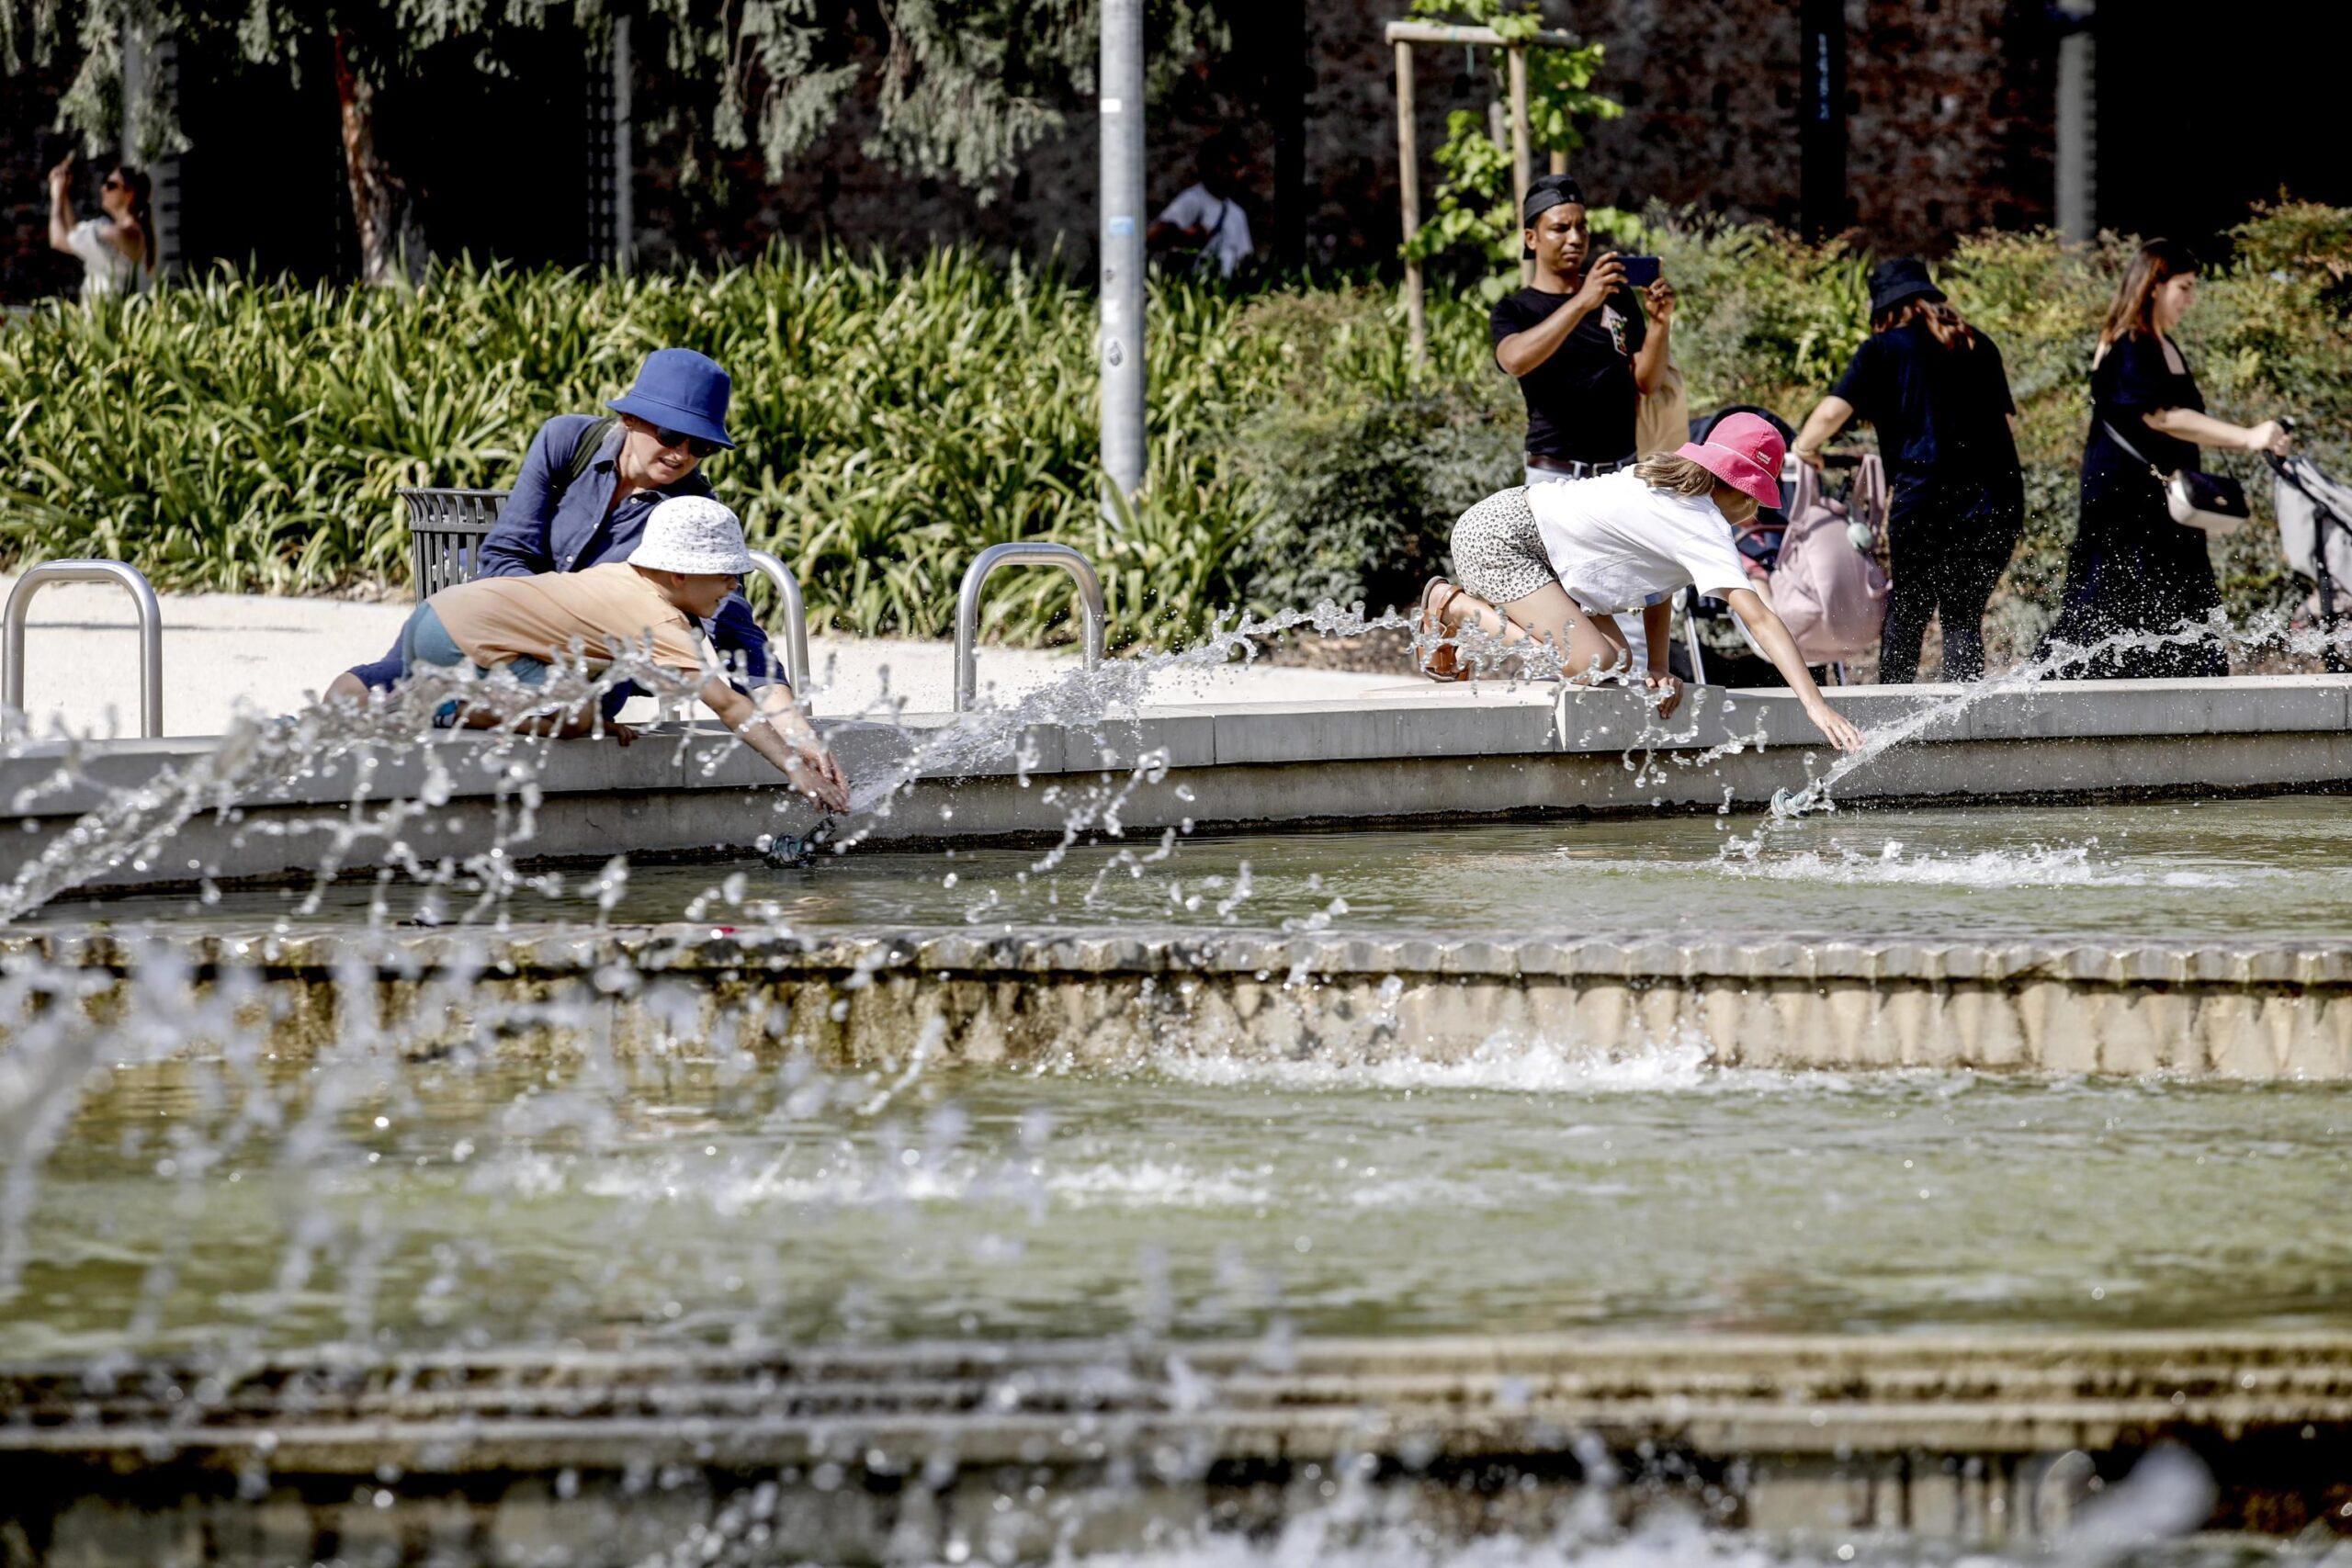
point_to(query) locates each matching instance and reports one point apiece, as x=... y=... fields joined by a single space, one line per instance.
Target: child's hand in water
x=624 y=733
x=814 y=773
x=1670 y=693
x=1835 y=725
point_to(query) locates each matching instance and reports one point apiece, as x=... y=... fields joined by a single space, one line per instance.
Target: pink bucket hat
x=1744 y=452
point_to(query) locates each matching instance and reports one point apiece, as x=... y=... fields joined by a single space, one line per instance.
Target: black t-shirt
x=1581 y=402
x=1940 y=412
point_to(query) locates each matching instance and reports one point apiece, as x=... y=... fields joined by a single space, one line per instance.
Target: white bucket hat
x=692 y=533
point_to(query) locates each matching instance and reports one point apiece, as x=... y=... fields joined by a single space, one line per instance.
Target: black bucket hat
x=1904 y=277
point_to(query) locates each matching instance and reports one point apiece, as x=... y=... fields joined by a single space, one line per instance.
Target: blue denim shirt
x=531 y=537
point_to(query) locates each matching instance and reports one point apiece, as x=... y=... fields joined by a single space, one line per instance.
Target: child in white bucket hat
x=688 y=560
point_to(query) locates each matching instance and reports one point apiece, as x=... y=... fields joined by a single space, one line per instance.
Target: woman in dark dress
x=2132 y=568
x=1935 y=387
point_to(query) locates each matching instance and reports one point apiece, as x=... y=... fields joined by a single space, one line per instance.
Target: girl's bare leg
x=1549 y=616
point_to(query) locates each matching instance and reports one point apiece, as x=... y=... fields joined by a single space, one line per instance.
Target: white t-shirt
x=1617 y=545
x=1227 y=225
x=105 y=270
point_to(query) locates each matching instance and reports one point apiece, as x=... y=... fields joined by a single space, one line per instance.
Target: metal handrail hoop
x=151 y=631
x=1033 y=553
x=796 y=619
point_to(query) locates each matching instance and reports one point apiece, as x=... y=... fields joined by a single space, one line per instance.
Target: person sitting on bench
x=587 y=485
x=689 y=558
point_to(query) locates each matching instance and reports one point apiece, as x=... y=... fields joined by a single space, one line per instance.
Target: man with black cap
x=1577 y=341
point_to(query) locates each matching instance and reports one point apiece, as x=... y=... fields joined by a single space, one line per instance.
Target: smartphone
x=1640 y=271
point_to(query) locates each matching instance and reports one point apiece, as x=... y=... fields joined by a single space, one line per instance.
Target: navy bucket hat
x=679 y=390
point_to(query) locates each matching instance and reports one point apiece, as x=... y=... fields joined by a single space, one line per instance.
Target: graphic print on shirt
x=1615 y=322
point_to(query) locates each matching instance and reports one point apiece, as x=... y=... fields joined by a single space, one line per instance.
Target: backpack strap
x=583 y=452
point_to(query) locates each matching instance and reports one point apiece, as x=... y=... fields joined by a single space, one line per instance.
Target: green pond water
x=2277 y=869
x=207 y=1206
x=188 y=1207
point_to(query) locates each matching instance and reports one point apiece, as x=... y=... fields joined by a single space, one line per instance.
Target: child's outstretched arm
x=1773 y=638
x=783 y=735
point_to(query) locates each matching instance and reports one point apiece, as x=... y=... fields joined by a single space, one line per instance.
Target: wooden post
x=1409 y=194
x=1523 y=163
x=1559 y=160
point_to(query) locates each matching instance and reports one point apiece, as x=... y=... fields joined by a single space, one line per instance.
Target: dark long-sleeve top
x=573 y=533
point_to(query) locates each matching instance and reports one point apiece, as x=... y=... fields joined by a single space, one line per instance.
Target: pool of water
x=2275 y=869
x=197 y=1205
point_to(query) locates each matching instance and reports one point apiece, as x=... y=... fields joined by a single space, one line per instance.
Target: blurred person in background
x=2132 y=569
x=117 y=250
x=1207 y=218
x=1935 y=389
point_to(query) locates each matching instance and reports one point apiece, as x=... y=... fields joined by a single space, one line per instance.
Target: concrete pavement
x=82 y=663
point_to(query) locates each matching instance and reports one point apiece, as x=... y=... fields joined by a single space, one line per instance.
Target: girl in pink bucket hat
x=1555 y=564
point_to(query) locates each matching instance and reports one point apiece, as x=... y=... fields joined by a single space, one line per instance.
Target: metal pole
x=624 y=153
x=796 y=619
x=1121 y=339
x=968 y=605
x=1409 y=195
x=2078 y=192
x=150 y=632
x=1523 y=161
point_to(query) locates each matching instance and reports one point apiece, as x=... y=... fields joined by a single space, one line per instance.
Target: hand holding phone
x=1640 y=271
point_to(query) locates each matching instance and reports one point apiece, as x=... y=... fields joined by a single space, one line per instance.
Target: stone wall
x=1949 y=101
x=1950 y=105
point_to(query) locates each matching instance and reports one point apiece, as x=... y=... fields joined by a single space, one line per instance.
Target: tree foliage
x=960 y=89
x=1474 y=199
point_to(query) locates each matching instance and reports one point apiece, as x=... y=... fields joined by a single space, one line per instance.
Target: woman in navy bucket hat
x=588 y=484
x=678 y=390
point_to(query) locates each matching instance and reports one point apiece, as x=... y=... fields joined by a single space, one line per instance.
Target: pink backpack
x=1832 y=595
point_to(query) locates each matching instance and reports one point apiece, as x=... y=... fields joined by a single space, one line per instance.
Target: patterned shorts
x=1497 y=554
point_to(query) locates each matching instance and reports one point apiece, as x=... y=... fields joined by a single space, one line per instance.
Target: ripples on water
x=221 y=1200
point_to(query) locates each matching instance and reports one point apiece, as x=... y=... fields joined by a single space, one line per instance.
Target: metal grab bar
x=795 y=620
x=151 y=631
x=968 y=605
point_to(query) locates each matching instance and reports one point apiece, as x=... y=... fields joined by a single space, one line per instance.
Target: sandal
x=1441 y=656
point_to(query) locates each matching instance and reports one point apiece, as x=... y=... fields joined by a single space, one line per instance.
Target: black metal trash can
x=446 y=529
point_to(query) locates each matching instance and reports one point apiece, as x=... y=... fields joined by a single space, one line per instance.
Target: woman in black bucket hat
x=1935 y=389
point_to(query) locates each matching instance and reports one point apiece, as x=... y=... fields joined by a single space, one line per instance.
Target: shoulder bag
x=2212 y=503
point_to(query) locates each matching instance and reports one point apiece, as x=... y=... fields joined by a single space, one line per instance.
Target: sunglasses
x=114 y=182
x=698 y=446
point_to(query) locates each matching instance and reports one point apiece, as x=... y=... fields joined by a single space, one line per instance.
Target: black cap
x=1544 y=194
x=1904 y=277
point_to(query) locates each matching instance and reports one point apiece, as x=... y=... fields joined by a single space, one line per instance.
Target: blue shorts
x=425 y=642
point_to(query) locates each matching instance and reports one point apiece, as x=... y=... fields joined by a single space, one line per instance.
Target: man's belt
x=1577 y=470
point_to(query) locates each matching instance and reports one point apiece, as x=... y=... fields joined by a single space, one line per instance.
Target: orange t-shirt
x=609 y=610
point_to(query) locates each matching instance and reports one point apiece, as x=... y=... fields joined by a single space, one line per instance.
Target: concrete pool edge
x=1120 y=999
x=1987 y=1437
x=1460 y=754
